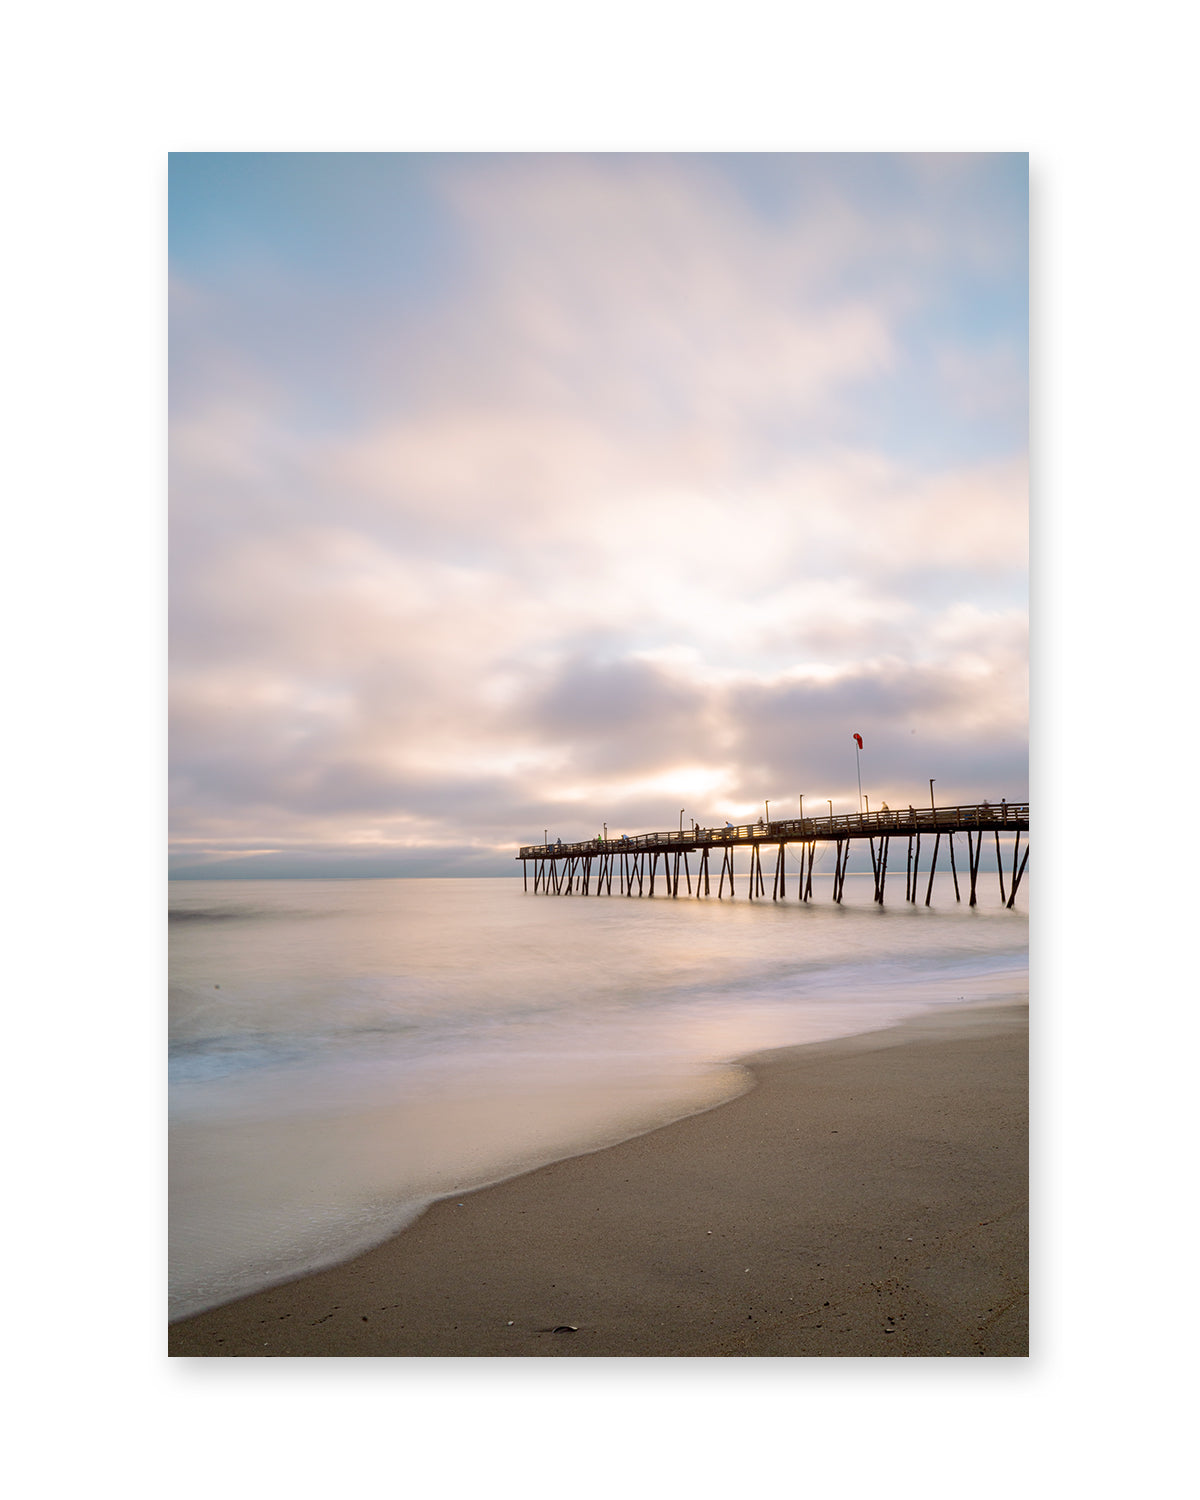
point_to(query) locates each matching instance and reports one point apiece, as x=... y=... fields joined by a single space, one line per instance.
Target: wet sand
x=868 y=1197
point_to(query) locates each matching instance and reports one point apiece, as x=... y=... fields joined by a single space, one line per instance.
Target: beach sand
x=869 y=1196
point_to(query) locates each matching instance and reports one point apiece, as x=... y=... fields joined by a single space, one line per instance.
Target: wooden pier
x=631 y=861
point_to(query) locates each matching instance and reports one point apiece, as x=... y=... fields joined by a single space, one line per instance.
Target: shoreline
x=866 y=1195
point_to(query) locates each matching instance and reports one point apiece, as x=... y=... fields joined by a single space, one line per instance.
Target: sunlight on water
x=343 y=1052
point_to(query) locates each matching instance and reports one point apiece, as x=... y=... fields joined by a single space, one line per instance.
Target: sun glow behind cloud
x=660 y=479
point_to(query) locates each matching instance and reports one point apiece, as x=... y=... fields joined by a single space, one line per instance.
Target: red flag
x=858 y=737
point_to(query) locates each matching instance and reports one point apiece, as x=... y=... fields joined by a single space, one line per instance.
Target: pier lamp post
x=545 y=837
x=802 y=807
x=932 y=803
x=829 y=800
x=767 y=805
x=681 y=811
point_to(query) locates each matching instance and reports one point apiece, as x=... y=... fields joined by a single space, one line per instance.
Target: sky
x=515 y=494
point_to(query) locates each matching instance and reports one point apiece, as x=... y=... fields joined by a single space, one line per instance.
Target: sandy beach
x=867 y=1197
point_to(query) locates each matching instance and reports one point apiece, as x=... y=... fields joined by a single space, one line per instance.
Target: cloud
x=607 y=520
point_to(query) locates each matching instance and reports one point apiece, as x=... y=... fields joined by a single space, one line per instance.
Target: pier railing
x=1002 y=817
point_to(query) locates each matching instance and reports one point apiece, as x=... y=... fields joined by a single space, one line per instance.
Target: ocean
x=344 y=1052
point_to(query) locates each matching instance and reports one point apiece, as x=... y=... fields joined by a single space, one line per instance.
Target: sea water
x=344 y=1052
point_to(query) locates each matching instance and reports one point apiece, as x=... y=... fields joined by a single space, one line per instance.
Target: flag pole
x=858 y=765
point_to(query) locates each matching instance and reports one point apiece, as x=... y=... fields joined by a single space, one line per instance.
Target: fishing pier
x=592 y=866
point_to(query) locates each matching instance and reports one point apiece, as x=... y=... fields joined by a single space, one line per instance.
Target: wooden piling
x=1000 y=869
x=953 y=871
x=1017 y=881
x=932 y=868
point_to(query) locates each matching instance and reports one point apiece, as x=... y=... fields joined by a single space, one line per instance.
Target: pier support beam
x=1017 y=881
